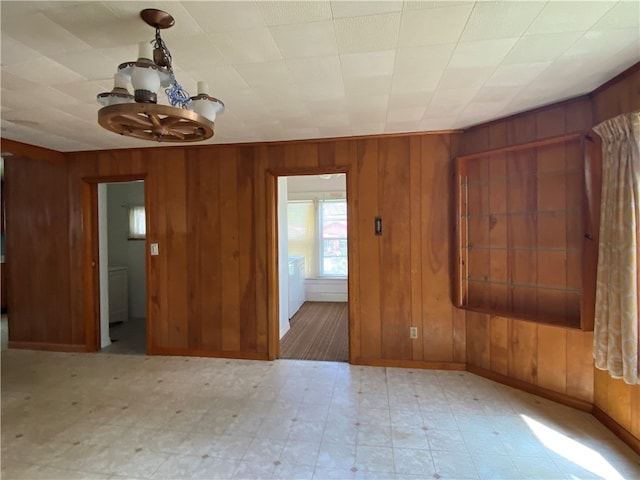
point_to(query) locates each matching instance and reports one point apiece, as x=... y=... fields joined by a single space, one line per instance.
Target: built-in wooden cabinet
x=523 y=220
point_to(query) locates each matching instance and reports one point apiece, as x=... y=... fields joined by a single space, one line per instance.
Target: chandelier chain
x=176 y=94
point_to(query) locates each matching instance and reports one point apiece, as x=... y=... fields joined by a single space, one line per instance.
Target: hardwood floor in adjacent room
x=319 y=331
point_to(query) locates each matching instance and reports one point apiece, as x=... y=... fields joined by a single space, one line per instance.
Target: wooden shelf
x=521 y=228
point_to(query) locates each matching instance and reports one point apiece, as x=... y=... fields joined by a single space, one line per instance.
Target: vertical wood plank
x=478 y=340
x=415 y=176
x=500 y=344
x=306 y=154
x=619 y=402
x=246 y=247
x=350 y=158
x=523 y=348
x=395 y=248
x=195 y=225
x=580 y=371
x=436 y=208
x=552 y=358
x=497 y=241
x=260 y=212
x=210 y=254
x=550 y=122
x=176 y=251
x=369 y=247
x=229 y=250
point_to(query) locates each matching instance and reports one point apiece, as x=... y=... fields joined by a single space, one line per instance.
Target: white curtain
x=137 y=223
x=616 y=317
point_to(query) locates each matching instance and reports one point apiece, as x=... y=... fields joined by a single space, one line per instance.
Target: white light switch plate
x=154 y=249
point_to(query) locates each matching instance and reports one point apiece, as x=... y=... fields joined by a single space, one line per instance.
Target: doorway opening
x=122 y=272
x=313 y=267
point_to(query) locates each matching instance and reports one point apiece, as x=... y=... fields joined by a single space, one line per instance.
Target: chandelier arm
x=155 y=120
x=177 y=134
x=137 y=119
x=169 y=122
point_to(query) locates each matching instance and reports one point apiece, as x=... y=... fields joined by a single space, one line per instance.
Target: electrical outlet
x=413 y=332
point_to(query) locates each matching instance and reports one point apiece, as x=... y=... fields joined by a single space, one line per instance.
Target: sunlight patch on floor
x=573 y=450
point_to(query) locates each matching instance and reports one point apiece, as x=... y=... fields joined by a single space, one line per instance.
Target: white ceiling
x=298 y=70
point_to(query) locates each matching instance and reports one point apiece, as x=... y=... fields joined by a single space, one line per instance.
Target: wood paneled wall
x=616 y=399
x=208 y=211
x=37 y=253
x=554 y=358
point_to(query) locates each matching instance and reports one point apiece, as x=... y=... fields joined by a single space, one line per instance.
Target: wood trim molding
x=618 y=430
x=376 y=362
x=523 y=146
x=50 y=347
x=24 y=150
x=534 y=389
x=187 y=352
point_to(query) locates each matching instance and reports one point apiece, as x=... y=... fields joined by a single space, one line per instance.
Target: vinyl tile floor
x=98 y=416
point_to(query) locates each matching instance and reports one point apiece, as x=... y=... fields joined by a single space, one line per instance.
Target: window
x=317 y=231
x=333 y=244
x=137 y=223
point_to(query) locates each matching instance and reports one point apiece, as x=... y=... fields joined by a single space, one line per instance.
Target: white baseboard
x=326 y=289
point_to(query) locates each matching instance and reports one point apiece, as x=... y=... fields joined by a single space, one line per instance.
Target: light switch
x=154 y=249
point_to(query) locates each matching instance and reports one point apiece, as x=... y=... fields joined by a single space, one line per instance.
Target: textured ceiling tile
x=604 y=42
x=89 y=64
x=11 y=82
x=501 y=95
x=408 y=114
x=407 y=100
x=223 y=78
x=247 y=46
x=622 y=15
x=343 y=9
x=367 y=104
x=376 y=85
x=569 y=16
x=503 y=19
x=438 y=122
x=360 y=116
x=367 y=128
x=366 y=34
x=416 y=82
x=367 y=86
x=185 y=24
x=465 y=77
x=98 y=26
x=85 y=91
x=216 y=17
x=481 y=53
x=307 y=70
x=541 y=48
x=14 y=51
x=517 y=74
x=305 y=40
x=319 y=78
x=433 y=26
x=410 y=5
x=401 y=127
x=282 y=13
x=422 y=59
x=194 y=50
x=51 y=38
x=450 y=102
x=368 y=64
x=45 y=71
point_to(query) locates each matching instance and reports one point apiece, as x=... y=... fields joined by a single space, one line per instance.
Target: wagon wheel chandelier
x=187 y=119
